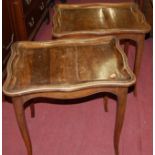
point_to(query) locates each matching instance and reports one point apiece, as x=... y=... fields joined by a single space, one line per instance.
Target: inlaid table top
x=98 y=18
x=66 y=65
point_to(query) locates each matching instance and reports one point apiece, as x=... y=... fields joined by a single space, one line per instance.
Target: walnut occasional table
x=124 y=20
x=67 y=69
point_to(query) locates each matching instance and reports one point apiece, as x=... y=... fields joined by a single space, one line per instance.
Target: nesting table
x=67 y=69
x=124 y=20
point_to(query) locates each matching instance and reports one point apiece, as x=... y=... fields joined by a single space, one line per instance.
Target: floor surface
x=85 y=129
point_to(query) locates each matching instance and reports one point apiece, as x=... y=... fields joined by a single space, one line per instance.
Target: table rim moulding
x=74 y=87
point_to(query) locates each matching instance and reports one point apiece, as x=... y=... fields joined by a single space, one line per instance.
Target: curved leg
x=105 y=102
x=122 y=95
x=138 y=58
x=20 y=116
x=32 y=108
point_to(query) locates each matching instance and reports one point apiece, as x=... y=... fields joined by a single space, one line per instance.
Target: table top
x=98 y=19
x=66 y=65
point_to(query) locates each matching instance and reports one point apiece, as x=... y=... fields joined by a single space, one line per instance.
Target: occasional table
x=124 y=20
x=67 y=69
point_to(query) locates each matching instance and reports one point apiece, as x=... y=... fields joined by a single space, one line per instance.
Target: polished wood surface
x=37 y=67
x=67 y=69
x=124 y=20
x=98 y=19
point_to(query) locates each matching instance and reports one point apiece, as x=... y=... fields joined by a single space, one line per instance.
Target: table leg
x=32 y=108
x=105 y=102
x=20 y=116
x=138 y=58
x=122 y=96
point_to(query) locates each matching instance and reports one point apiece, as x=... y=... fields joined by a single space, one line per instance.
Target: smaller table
x=123 y=20
x=67 y=69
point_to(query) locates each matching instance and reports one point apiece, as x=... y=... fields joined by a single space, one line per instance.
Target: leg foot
x=122 y=95
x=20 y=116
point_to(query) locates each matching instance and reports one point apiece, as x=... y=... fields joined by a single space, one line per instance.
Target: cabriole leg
x=20 y=116
x=122 y=96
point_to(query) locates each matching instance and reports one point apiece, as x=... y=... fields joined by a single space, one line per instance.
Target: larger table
x=67 y=69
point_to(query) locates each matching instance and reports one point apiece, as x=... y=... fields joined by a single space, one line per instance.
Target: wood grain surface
x=66 y=65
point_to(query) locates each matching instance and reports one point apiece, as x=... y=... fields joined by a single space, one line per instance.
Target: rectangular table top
x=98 y=18
x=66 y=65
